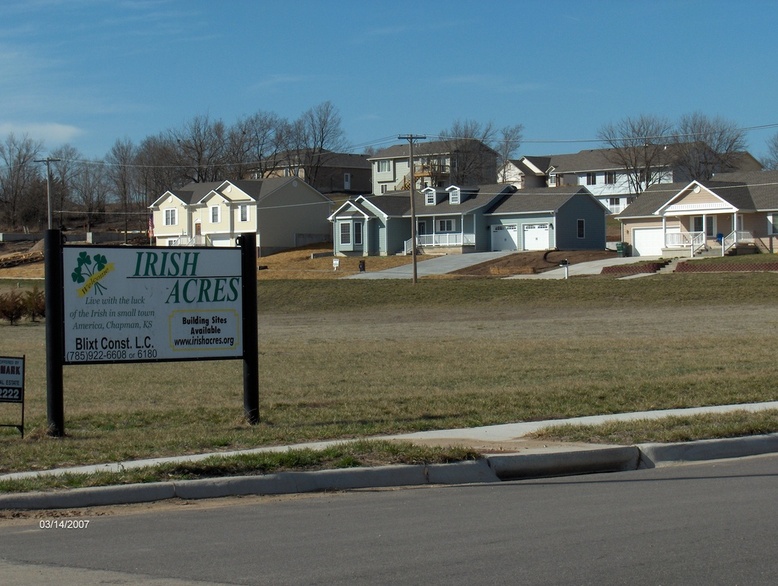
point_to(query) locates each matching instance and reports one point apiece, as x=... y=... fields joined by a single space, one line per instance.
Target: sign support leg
x=53 y=288
x=248 y=245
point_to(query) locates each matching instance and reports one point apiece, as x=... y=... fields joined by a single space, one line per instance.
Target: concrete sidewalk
x=520 y=459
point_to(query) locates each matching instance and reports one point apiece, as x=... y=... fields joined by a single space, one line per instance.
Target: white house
x=283 y=212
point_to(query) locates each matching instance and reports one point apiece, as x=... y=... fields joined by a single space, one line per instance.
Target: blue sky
x=89 y=72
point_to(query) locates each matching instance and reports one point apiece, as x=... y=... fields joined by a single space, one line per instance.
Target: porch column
x=664 y=231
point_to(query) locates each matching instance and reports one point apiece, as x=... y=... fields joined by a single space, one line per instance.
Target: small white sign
x=11 y=379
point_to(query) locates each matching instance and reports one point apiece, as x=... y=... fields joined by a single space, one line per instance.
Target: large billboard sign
x=142 y=304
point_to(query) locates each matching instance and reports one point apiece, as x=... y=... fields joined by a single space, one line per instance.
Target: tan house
x=283 y=212
x=435 y=164
x=734 y=211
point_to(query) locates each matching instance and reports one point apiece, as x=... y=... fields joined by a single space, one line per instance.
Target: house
x=470 y=219
x=602 y=173
x=435 y=164
x=324 y=170
x=283 y=212
x=684 y=219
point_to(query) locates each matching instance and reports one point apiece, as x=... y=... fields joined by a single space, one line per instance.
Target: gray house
x=470 y=219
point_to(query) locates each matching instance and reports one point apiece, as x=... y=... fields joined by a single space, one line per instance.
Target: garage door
x=536 y=237
x=220 y=241
x=505 y=237
x=649 y=241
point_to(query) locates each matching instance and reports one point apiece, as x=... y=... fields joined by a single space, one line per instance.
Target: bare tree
x=200 y=149
x=90 y=191
x=18 y=172
x=121 y=175
x=639 y=146
x=708 y=145
x=254 y=145
x=473 y=160
x=771 y=161
x=507 y=144
x=65 y=165
x=156 y=168
x=312 y=138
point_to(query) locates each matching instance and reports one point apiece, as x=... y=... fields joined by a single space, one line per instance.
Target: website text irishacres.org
x=204 y=341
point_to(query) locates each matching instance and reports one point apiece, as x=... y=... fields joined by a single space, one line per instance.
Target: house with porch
x=602 y=173
x=733 y=212
x=470 y=219
x=283 y=212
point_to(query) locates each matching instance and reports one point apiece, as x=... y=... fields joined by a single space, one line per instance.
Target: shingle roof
x=756 y=190
x=398 y=203
x=542 y=199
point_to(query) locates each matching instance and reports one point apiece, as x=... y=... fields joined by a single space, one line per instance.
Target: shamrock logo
x=84 y=270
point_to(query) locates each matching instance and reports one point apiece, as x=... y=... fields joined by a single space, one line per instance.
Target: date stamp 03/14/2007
x=63 y=523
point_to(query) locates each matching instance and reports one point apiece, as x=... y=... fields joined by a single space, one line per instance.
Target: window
x=581 y=228
x=446 y=225
x=384 y=166
x=591 y=179
x=772 y=224
x=243 y=210
x=345 y=233
x=429 y=197
x=610 y=177
x=215 y=215
x=357 y=233
x=171 y=217
x=708 y=222
x=383 y=189
x=552 y=180
x=455 y=196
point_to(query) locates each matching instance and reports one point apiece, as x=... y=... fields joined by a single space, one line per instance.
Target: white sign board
x=148 y=304
x=11 y=379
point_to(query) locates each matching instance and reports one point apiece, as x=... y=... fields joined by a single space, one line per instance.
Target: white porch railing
x=442 y=239
x=733 y=238
x=694 y=241
x=197 y=240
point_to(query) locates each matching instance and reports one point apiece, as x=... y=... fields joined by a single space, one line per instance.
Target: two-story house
x=325 y=171
x=435 y=164
x=283 y=212
x=601 y=172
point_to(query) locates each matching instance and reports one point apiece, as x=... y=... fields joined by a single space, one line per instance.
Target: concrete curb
x=492 y=468
x=656 y=455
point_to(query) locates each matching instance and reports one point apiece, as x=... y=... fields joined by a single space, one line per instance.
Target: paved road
x=710 y=523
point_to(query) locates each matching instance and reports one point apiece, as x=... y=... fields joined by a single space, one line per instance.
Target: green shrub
x=35 y=303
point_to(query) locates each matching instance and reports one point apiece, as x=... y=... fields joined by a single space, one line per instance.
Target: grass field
x=345 y=359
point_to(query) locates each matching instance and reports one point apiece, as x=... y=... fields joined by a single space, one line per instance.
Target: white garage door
x=536 y=237
x=649 y=241
x=505 y=237
x=220 y=241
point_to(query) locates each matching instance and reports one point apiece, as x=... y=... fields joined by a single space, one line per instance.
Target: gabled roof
x=751 y=191
x=254 y=190
x=541 y=199
x=398 y=203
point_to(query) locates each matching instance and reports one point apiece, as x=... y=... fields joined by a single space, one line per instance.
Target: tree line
x=131 y=176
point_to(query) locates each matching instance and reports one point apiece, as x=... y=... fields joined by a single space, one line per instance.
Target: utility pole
x=410 y=138
x=48 y=161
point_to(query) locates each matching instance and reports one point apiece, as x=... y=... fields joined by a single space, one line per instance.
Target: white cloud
x=50 y=133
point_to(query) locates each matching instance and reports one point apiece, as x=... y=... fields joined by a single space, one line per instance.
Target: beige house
x=734 y=211
x=283 y=212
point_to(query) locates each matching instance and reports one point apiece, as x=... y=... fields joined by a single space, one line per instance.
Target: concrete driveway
x=453 y=262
